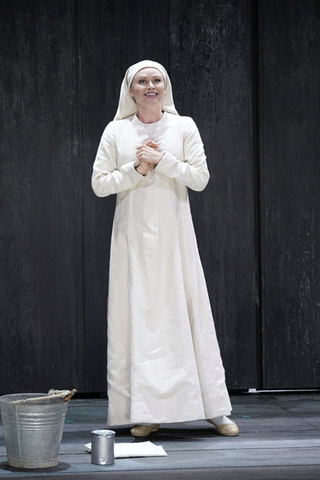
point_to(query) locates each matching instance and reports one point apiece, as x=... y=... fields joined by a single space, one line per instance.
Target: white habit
x=164 y=362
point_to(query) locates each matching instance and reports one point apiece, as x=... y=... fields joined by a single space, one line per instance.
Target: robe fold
x=164 y=362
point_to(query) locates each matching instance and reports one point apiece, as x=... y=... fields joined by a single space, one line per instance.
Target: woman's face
x=147 y=87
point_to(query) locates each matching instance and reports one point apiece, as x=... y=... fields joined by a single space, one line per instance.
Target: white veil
x=127 y=105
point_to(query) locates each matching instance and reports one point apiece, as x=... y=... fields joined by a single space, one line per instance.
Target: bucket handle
x=64 y=395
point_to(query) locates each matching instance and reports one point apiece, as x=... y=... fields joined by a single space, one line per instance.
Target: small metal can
x=102 y=447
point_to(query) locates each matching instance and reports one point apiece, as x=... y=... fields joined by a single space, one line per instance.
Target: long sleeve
x=107 y=178
x=192 y=170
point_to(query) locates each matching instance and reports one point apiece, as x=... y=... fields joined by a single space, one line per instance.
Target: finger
x=152 y=144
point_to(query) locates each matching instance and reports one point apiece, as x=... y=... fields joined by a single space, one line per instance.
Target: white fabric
x=141 y=449
x=164 y=363
x=221 y=420
x=127 y=105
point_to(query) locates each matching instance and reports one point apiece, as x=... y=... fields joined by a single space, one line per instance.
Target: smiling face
x=147 y=88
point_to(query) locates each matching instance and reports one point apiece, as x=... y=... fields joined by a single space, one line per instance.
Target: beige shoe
x=226 y=429
x=144 y=430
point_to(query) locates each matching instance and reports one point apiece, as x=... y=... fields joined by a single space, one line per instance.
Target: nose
x=150 y=84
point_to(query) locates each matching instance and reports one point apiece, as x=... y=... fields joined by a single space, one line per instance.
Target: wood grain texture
x=210 y=67
x=41 y=333
x=61 y=66
x=290 y=207
x=114 y=35
x=61 y=70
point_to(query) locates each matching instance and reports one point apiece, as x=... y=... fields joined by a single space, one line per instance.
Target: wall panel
x=40 y=266
x=114 y=35
x=211 y=71
x=290 y=207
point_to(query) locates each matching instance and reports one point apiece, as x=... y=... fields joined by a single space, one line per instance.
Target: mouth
x=151 y=94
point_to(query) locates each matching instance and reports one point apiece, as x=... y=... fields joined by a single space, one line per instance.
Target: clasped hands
x=148 y=156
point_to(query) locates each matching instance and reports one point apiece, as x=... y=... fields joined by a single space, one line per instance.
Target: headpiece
x=127 y=105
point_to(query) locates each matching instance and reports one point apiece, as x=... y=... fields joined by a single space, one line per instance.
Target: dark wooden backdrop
x=289 y=106
x=248 y=73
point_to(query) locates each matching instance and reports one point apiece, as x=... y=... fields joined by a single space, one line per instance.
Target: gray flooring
x=279 y=439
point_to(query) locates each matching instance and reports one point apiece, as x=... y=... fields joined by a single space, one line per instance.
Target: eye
x=142 y=81
x=157 y=80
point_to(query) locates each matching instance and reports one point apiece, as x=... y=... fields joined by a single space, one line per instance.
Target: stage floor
x=279 y=439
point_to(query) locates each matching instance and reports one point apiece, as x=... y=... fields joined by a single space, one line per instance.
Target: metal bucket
x=32 y=431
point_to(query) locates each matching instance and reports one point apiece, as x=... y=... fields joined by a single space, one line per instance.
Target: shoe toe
x=228 y=430
x=143 y=430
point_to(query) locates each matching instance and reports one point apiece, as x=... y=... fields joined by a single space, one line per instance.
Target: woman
x=164 y=363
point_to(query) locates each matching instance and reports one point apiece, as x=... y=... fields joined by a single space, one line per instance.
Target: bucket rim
x=12 y=398
x=7 y=395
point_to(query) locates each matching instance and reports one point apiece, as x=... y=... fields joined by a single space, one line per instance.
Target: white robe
x=164 y=363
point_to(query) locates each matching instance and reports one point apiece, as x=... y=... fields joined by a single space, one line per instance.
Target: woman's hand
x=148 y=153
x=144 y=168
x=151 y=143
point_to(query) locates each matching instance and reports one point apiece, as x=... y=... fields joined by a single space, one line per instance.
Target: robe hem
x=226 y=413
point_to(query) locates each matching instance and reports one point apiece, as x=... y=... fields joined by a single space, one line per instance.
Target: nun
x=164 y=362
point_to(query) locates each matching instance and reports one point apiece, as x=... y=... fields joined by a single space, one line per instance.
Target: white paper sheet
x=141 y=449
